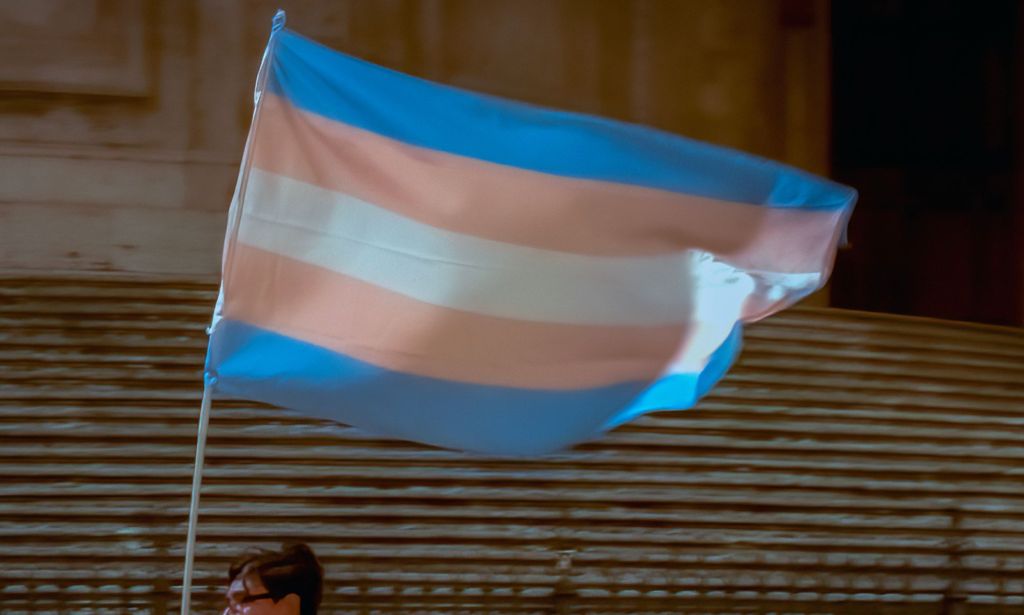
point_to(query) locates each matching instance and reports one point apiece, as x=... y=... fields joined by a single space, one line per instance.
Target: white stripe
x=344 y=234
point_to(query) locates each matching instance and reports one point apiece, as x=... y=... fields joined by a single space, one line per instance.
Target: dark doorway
x=926 y=125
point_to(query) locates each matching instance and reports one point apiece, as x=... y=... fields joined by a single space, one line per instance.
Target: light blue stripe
x=430 y=115
x=667 y=393
x=251 y=363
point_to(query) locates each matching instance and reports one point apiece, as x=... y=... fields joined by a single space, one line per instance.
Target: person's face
x=248 y=596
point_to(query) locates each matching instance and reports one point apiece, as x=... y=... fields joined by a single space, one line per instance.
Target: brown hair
x=292 y=570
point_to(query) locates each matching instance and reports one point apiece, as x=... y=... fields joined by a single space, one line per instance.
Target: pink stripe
x=392 y=331
x=534 y=209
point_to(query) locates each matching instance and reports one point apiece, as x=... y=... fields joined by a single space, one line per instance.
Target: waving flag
x=437 y=265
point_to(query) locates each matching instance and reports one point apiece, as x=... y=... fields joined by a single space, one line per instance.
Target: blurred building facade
x=123 y=121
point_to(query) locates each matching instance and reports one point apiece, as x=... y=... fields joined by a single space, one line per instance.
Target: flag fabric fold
x=442 y=266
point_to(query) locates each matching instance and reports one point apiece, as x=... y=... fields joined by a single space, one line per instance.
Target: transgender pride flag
x=442 y=266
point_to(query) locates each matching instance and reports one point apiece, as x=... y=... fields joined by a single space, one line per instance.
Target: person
x=284 y=582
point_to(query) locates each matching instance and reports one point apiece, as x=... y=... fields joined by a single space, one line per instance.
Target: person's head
x=285 y=582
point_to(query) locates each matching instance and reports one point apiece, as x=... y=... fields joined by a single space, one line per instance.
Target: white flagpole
x=209 y=379
x=193 y=509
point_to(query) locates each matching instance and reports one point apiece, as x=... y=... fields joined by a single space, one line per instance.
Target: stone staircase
x=850 y=463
